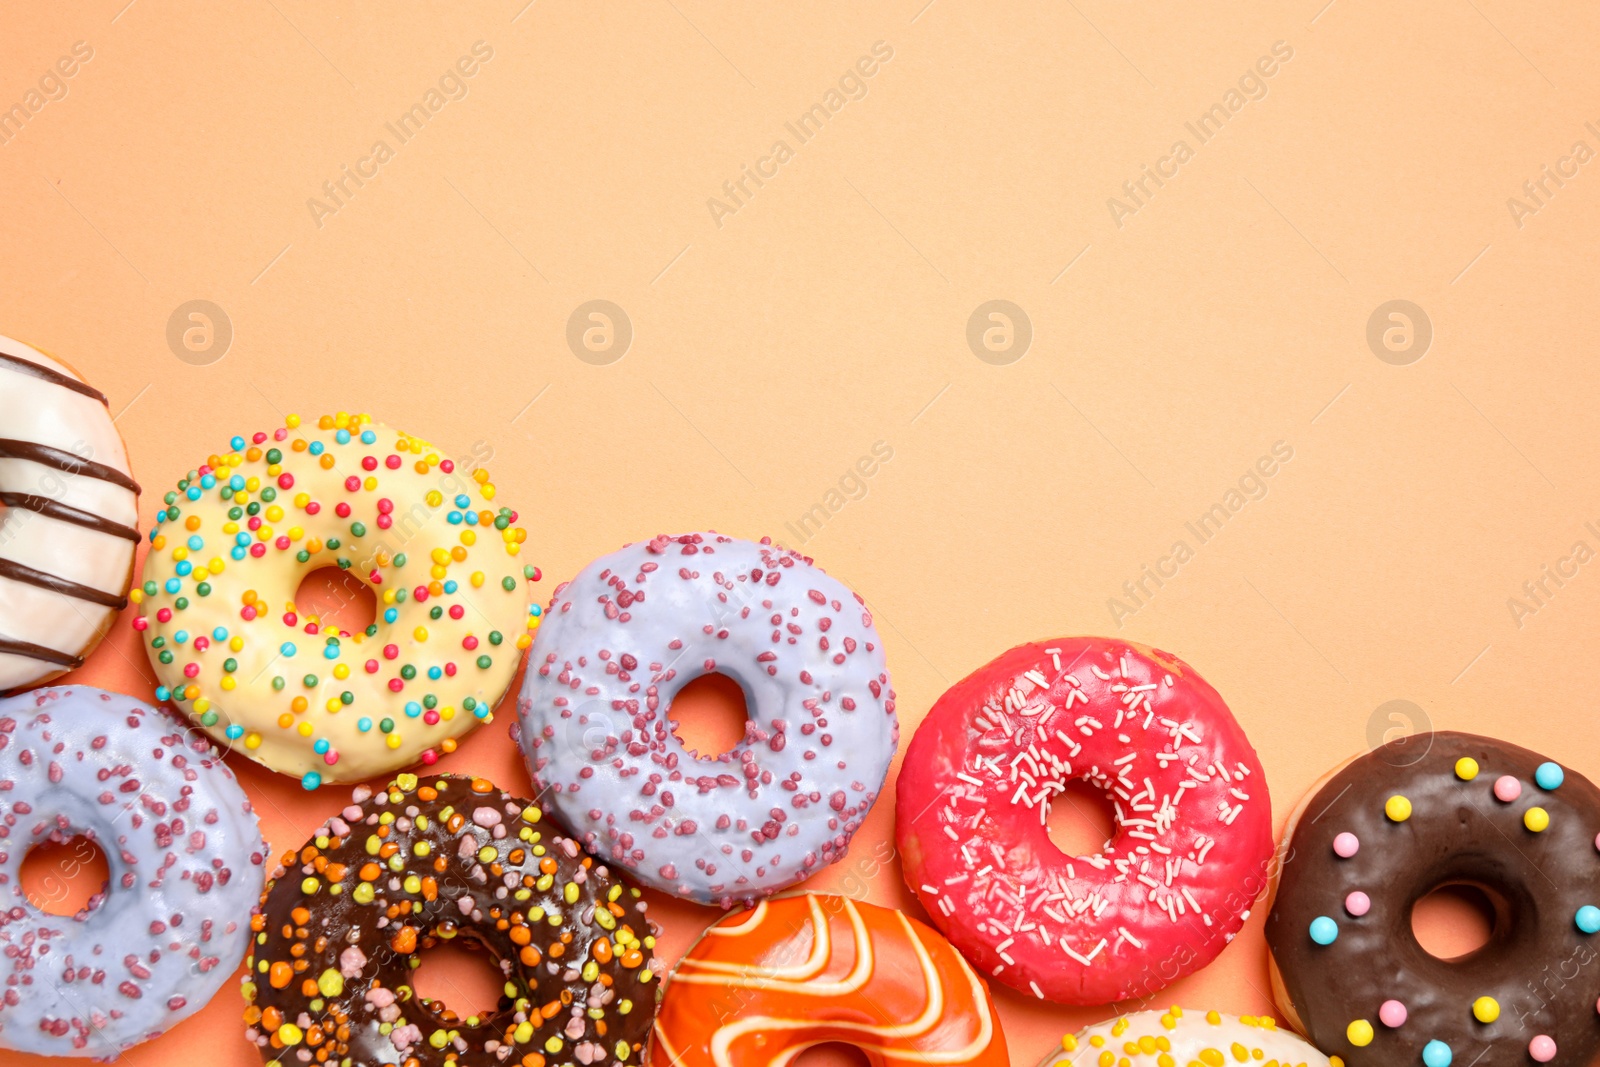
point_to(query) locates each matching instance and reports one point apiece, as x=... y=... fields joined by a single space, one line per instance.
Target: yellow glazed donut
x=236 y=538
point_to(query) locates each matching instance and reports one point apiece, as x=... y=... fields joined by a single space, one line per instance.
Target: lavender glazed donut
x=624 y=636
x=186 y=863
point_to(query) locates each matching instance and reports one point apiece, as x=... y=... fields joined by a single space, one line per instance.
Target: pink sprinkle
x=1358 y=903
x=1542 y=1048
x=369 y=463
x=1507 y=788
x=1392 y=1013
x=286 y=480
x=393 y=463
x=430 y=757
x=1346 y=845
x=330 y=758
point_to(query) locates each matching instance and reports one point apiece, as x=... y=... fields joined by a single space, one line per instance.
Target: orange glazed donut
x=765 y=984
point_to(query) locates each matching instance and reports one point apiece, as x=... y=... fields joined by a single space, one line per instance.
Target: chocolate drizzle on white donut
x=82 y=552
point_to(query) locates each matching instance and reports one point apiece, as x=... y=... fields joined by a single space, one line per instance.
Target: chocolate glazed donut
x=1384 y=831
x=342 y=923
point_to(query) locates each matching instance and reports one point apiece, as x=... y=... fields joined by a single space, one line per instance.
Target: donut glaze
x=69 y=512
x=186 y=864
x=1186 y=1038
x=624 y=636
x=1346 y=962
x=346 y=919
x=1193 y=820
x=238 y=535
x=763 y=985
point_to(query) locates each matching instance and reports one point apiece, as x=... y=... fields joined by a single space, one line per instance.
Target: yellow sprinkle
x=1069 y=1042
x=1536 y=819
x=1397 y=808
x=290 y=1034
x=1212 y=1057
x=1359 y=1033
x=1107 y=1059
x=1119 y=1027
x=1466 y=768
x=1214 y=1018
x=1486 y=1009
x=1240 y=1053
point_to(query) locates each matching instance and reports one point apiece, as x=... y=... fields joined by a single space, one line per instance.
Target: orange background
x=830 y=312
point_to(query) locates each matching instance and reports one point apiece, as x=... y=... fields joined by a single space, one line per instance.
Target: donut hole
x=1455 y=920
x=831 y=1054
x=708 y=716
x=338 y=598
x=1082 y=821
x=459 y=978
x=67 y=877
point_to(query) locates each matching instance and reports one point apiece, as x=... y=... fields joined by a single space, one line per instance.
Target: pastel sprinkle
x=1536 y=819
x=1324 y=931
x=1487 y=1009
x=1397 y=808
x=1549 y=776
x=1357 y=903
x=1436 y=1054
x=1542 y=1048
x=1466 y=768
x=1588 y=919
x=1507 y=788
x=1392 y=1014
x=1346 y=845
x=1359 y=1033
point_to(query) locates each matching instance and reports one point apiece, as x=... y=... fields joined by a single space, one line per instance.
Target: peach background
x=830 y=312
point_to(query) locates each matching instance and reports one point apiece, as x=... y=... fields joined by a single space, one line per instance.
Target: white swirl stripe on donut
x=624 y=636
x=68 y=514
x=186 y=865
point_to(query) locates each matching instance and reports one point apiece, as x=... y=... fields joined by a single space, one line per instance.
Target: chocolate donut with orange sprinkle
x=345 y=918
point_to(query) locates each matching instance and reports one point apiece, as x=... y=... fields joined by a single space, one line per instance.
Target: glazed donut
x=69 y=513
x=185 y=858
x=1386 y=829
x=1189 y=1038
x=624 y=636
x=763 y=985
x=233 y=543
x=1193 y=820
x=344 y=920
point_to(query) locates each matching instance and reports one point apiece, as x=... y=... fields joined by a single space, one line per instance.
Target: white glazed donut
x=624 y=636
x=69 y=511
x=1179 y=1038
x=239 y=534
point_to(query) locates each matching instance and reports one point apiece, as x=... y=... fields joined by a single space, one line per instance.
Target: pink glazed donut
x=624 y=636
x=1193 y=842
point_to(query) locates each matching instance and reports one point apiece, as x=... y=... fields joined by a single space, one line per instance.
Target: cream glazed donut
x=1179 y=1038
x=238 y=535
x=624 y=636
x=69 y=511
x=186 y=865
